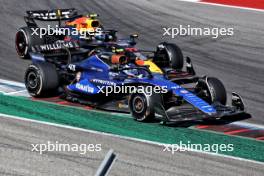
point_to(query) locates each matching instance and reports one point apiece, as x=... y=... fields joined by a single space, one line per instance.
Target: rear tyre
x=25 y=40
x=211 y=90
x=169 y=55
x=139 y=105
x=41 y=79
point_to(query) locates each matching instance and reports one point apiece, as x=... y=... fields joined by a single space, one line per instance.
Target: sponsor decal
x=55 y=46
x=175 y=87
x=85 y=88
x=103 y=82
x=96 y=69
x=50 y=15
x=72 y=67
x=184 y=91
x=113 y=74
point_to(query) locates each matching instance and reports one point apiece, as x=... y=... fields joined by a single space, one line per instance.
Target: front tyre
x=169 y=55
x=41 y=79
x=139 y=105
x=211 y=90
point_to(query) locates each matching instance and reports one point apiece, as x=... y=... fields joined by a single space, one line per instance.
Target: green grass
x=122 y=125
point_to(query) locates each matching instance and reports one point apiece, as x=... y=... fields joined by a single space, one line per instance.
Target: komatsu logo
x=85 y=88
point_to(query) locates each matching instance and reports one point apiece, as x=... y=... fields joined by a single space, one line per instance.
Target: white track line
x=15 y=92
x=223 y=5
x=121 y=137
x=231 y=6
x=249 y=125
x=190 y=0
x=14 y=83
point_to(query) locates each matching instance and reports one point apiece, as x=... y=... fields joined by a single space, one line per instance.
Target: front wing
x=187 y=112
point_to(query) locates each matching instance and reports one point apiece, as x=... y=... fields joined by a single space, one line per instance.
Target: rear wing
x=50 y=15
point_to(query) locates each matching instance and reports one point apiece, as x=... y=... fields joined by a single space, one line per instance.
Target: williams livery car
x=76 y=24
x=83 y=76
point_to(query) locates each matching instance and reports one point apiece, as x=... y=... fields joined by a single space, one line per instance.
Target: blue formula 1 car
x=124 y=79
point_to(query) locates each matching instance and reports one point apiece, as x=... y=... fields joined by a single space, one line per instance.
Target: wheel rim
x=21 y=43
x=138 y=104
x=32 y=80
x=203 y=92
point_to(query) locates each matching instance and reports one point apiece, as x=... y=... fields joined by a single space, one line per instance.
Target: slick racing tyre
x=41 y=79
x=211 y=90
x=139 y=105
x=169 y=55
x=25 y=40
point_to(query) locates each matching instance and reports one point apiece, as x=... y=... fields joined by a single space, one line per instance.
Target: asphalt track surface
x=236 y=60
x=134 y=158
